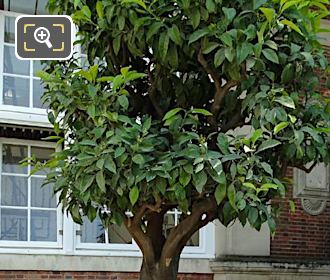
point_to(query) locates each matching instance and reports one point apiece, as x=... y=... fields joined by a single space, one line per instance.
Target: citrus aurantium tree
x=152 y=123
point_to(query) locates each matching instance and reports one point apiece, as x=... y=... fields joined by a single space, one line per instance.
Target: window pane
x=13 y=191
x=11 y=156
x=37 y=66
x=9 y=30
x=16 y=91
x=13 y=224
x=119 y=234
x=14 y=66
x=42 y=10
x=43 y=225
x=92 y=232
x=42 y=196
x=194 y=240
x=42 y=155
x=20 y=6
x=38 y=90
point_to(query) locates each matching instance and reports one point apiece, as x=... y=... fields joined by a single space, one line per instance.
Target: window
x=28 y=211
x=315 y=184
x=37 y=7
x=20 y=86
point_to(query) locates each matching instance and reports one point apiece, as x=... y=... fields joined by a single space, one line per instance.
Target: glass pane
x=20 y=6
x=92 y=232
x=37 y=66
x=42 y=155
x=194 y=240
x=42 y=10
x=9 y=30
x=43 y=225
x=13 y=224
x=13 y=65
x=169 y=222
x=11 y=156
x=13 y=191
x=119 y=234
x=16 y=91
x=42 y=196
x=38 y=90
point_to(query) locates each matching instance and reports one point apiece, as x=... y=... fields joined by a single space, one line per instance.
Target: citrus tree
x=152 y=123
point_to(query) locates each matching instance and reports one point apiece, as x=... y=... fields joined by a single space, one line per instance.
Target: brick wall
x=300 y=235
x=38 y=275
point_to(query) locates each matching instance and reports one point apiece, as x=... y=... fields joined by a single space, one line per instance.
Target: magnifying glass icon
x=41 y=35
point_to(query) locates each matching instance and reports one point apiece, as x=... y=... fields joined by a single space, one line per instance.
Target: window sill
x=24 y=116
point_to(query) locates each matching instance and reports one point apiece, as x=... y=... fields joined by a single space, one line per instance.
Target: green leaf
x=110 y=165
x=87 y=182
x=100 y=9
x=286 y=101
x=121 y=22
x=253 y=215
x=227 y=39
x=258 y=3
x=123 y=101
x=271 y=55
x=269 y=14
x=220 y=193
x=199 y=180
x=164 y=40
x=100 y=181
x=209 y=47
x=134 y=195
x=138 y=159
x=201 y=112
x=230 y=54
x=119 y=151
x=249 y=185
x=138 y=2
x=171 y=113
x=86 y=11
x=243 y=51
x=268 y=144
x=267 y=168
x=219 y=57
x=210 y=6
x=195 y=18
x=230 y=13
x=288 y=73
x=116 y=44
x=175 y=35
x=154 y=28
x=280 y=127
x=292 y=25
x=292 y=206
x=231 y=194
x=184 y=178
x=197 y=35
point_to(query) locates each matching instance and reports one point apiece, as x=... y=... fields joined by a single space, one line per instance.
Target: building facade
x=38 y=241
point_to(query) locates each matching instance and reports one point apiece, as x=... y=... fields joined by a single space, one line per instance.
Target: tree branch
x=152 y=91
x=220 y=91
x=305 y=169
x=203 y=212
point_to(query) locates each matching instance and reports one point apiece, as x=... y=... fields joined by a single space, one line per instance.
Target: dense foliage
x=153 y=123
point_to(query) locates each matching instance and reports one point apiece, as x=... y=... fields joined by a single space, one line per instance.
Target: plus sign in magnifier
x=41 y=35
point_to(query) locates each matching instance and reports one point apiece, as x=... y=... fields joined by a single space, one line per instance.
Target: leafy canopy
x=152 y=120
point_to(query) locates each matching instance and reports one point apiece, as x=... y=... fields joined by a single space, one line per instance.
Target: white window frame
x=31 y=244
x=18 y=114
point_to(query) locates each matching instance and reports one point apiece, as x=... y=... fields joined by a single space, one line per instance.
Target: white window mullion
x=29 y=199
x=2 y=39
x=31 y=86
x=0 y=182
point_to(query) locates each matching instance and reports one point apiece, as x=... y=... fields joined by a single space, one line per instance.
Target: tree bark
x=160 y=271
x=161 y=254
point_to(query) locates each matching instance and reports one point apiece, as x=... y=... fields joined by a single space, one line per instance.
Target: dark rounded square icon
x=44 y=37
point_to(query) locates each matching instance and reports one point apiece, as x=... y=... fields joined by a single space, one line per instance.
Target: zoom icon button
x=44 y=37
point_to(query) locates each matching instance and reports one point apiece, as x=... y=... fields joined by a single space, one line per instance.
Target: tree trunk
x=160 y=271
